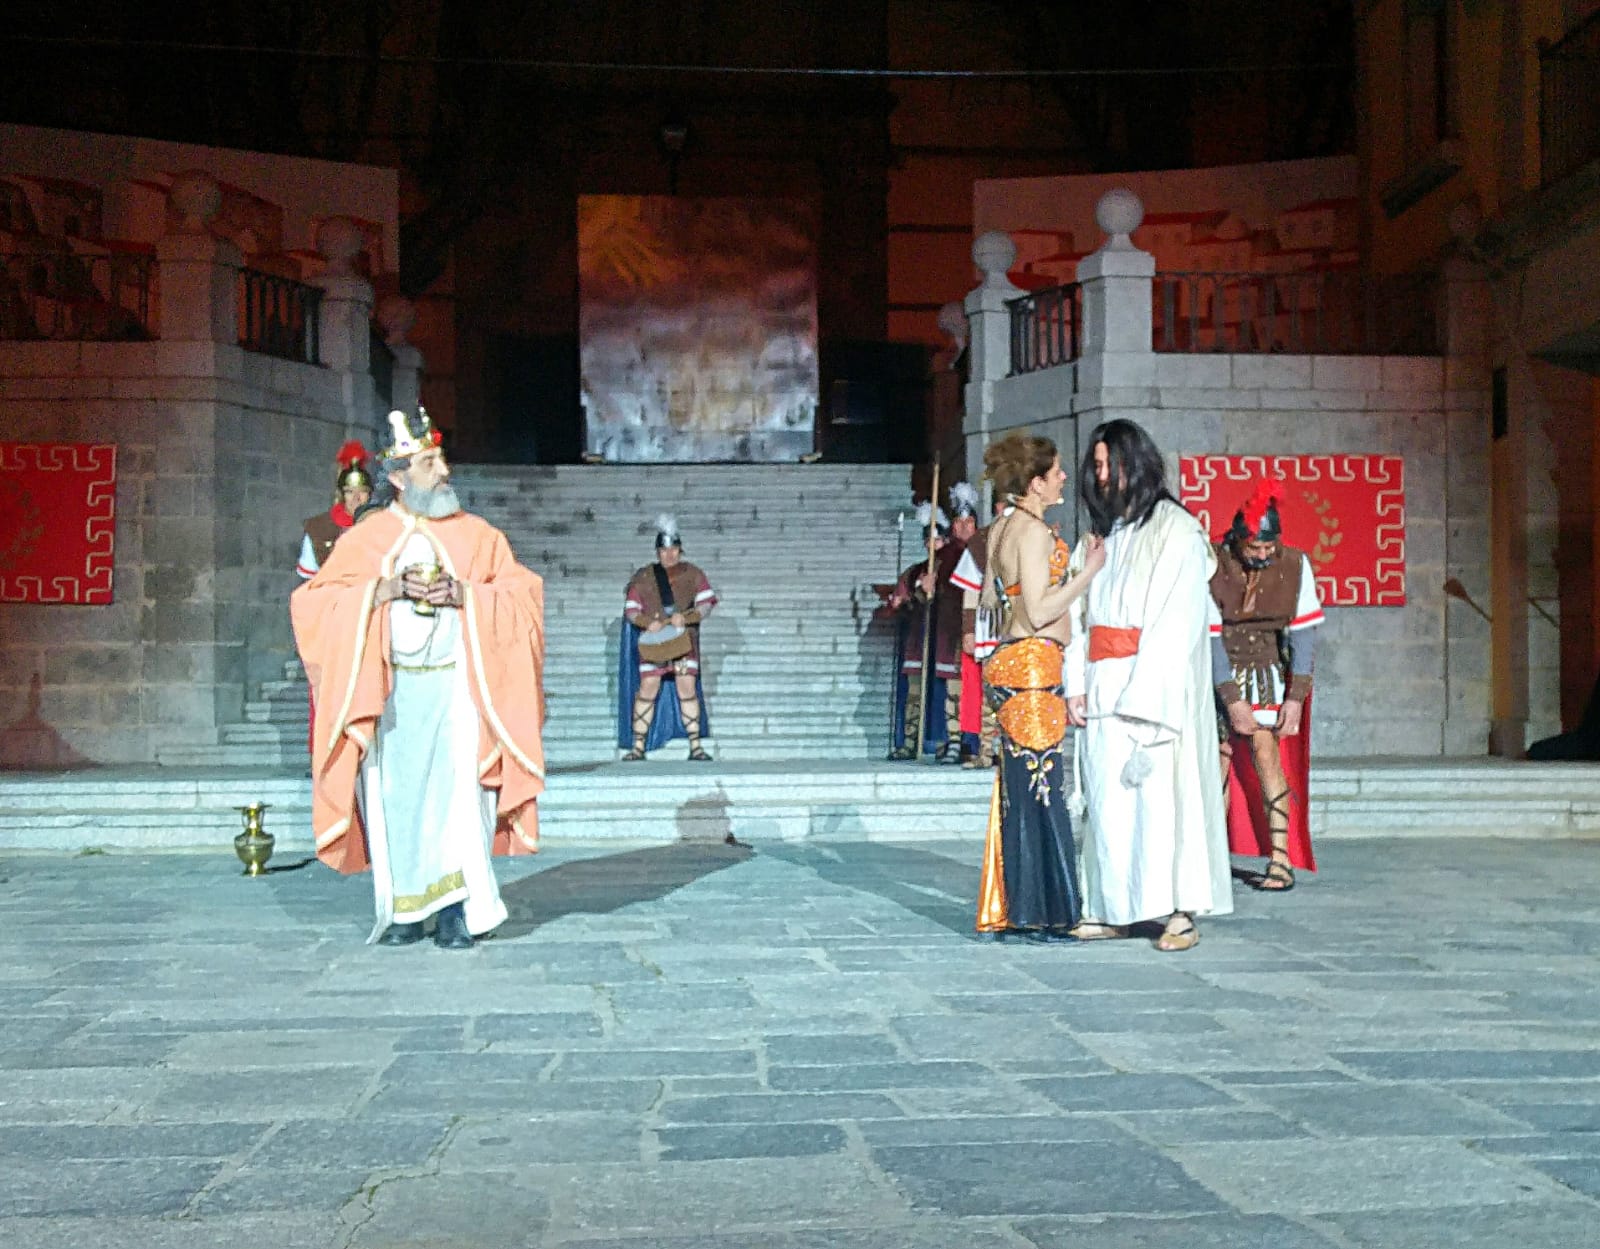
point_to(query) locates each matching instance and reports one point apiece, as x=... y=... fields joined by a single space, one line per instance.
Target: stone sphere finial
x=1119 y=213
x=397 y=315
x=196 y=198
x=339 y=242
x=994 y=253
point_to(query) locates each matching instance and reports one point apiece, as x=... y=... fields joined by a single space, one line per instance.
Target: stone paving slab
x=799 y=1047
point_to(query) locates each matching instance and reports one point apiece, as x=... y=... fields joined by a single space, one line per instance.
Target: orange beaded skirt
x=1029 y=879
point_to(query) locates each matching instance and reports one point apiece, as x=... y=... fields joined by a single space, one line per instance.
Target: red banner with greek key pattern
x=1347 y=512
x=57 y=521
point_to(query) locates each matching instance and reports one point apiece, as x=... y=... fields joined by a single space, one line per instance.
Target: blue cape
x=668 y=722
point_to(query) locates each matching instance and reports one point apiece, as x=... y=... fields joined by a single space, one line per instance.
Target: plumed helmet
x=1257 y=520
x=667 y=531
x=963 y=500
x=928 y=514
x=353 y=470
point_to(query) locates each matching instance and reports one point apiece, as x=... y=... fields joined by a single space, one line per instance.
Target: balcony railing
x=1569 y=102
x=278 y=316
x=1044 y=328
x=61 y=295
x=1314 y=313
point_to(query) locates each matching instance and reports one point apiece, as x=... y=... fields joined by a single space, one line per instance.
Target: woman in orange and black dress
x=1029 y=880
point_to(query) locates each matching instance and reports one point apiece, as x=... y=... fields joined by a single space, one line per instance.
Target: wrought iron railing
x=1314 y=313
x=84 y=298
x=1045 y=328
x=278 y=316
x=1569 y=102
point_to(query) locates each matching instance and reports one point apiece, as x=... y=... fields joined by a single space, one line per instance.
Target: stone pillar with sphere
x=989 y=327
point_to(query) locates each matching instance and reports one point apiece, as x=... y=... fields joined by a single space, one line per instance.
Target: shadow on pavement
x=939 y=889
x=599 y=886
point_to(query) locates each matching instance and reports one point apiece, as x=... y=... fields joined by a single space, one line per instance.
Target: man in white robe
x=423 y=638
x=1138 y=680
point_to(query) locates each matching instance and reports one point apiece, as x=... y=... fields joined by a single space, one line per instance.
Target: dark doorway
x=534 y=400
x=873 y=402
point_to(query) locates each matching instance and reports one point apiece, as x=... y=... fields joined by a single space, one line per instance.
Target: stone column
x=1472 y=669
x=1117 y=292
x=989 y=324
x=345 y=318
x=397 y=314
x=192 y=663
x=199 y=272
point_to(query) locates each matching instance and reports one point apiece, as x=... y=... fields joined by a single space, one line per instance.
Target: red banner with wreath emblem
x=57 y=521
x=1347 y=512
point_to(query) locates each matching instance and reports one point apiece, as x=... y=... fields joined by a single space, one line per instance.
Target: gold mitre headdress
x=410 y=436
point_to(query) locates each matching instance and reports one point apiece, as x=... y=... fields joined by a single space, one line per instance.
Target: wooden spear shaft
x=927 y=612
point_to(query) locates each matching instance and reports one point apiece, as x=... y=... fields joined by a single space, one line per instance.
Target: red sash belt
x=1108 y=643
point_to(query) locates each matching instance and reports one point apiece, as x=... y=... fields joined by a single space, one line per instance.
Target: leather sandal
x=1181 y=933
x=1278 y=878
x=1093 y=930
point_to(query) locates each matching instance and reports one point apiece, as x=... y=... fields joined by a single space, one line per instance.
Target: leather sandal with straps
x=1180 y=933
x=1278 y=878
x=1093 y=930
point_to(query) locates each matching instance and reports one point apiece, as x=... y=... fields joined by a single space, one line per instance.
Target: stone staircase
x=795 y=665
x=797 y=674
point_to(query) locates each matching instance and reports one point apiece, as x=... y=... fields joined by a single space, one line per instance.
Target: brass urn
x=254 y=845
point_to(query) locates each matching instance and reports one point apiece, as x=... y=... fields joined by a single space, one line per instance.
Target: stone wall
x=221 y=454
x=1410 y=680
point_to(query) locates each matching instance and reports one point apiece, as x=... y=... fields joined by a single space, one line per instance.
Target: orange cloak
x=344 y=644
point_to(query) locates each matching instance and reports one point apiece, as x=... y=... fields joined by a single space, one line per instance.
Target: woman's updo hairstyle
x=1016 y=460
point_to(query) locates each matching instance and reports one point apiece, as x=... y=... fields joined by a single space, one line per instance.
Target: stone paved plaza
x=803 y=1046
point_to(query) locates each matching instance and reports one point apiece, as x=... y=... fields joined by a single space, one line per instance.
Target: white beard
x=433 y=504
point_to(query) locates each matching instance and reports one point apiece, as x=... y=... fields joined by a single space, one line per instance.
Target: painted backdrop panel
x=697 y=328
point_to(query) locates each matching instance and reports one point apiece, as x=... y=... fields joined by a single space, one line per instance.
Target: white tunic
x=1156 y=845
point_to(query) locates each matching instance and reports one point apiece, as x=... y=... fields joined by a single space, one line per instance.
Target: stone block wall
x=220 y=456
x=1411 y=680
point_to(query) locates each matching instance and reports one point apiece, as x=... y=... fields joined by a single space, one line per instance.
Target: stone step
x=658 y=801
x=664 y=799
x=594 y=745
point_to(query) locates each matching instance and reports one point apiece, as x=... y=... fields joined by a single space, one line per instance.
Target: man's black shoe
x=401 y=934
x=452 y=934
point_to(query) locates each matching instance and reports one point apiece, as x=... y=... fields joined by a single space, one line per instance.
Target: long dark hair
x=1133 y=457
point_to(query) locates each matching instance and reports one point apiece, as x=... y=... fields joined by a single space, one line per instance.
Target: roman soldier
x=980 y=731
x=352 y=487
x=930 y=696
x=662 y=609
x=1264 y=636
x=352 y=491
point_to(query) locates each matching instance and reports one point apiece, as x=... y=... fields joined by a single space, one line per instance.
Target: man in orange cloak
x=423 y=640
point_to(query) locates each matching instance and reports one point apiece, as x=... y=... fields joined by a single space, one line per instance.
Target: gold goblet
x=427 y=574
x=254 y=845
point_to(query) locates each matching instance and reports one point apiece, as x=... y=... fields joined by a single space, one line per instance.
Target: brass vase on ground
x=254 y=845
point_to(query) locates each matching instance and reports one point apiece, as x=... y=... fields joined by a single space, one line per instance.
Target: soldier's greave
x=952 y=710
x=690 y=710
x=1277 y=806
x=644 y=711
x=913 y=710
x=989 y=735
